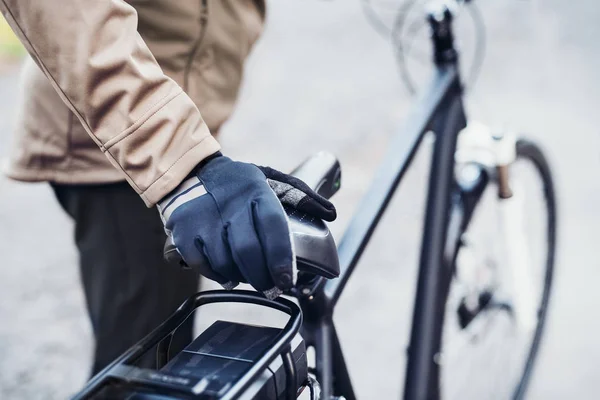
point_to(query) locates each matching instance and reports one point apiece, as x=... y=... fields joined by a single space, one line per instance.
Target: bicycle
x=457 y=293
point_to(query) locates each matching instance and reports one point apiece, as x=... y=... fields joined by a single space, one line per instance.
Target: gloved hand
x=228 y=221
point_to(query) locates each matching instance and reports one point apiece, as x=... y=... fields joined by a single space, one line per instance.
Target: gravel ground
x=322 y=78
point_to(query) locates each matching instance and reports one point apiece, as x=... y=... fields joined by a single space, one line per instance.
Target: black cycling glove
x=227 y=220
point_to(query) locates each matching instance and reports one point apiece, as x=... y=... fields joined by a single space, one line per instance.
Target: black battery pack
x=228 y=359
x=225 y=351
x=214 y=361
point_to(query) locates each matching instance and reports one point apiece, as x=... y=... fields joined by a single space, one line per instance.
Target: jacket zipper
x=196 y=47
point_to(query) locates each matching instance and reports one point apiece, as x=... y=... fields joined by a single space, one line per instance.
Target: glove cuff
x=190 y=188
x=193 y=173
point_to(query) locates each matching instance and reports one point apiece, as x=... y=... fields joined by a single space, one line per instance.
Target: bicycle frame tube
x=434 y=273
x=445 y=88
x=439 y=110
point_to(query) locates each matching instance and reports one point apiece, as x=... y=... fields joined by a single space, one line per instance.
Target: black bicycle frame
x=439 y=110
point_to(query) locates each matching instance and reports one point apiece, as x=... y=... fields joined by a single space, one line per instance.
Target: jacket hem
x=74 y=177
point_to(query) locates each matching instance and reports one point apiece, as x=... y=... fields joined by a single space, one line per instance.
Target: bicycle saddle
x=316 y=252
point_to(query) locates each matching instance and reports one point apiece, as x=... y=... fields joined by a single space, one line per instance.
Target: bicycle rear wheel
x=488 y=352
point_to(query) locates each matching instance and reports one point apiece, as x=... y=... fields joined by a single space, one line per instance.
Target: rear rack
x=122 y=372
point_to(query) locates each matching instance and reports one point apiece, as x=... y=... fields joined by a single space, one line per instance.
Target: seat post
x=440 y=19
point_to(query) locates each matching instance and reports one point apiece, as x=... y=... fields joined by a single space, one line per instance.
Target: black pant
x=129 y=289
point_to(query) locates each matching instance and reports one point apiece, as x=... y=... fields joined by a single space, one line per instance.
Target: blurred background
x=325 y=76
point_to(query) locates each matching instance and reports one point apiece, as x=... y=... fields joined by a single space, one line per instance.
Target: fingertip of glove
x=326 y=212
x=331 y=215
x=273 y=293
x=230 y=285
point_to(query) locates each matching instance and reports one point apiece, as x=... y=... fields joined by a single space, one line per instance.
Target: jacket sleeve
x=102 y=69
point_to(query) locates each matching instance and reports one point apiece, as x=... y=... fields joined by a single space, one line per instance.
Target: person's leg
x=128 y=287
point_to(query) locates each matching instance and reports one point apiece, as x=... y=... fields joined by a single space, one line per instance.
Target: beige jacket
x=115 y=95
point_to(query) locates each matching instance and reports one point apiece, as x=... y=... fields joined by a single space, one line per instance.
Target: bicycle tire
x=528 y=149
x=531 y=153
